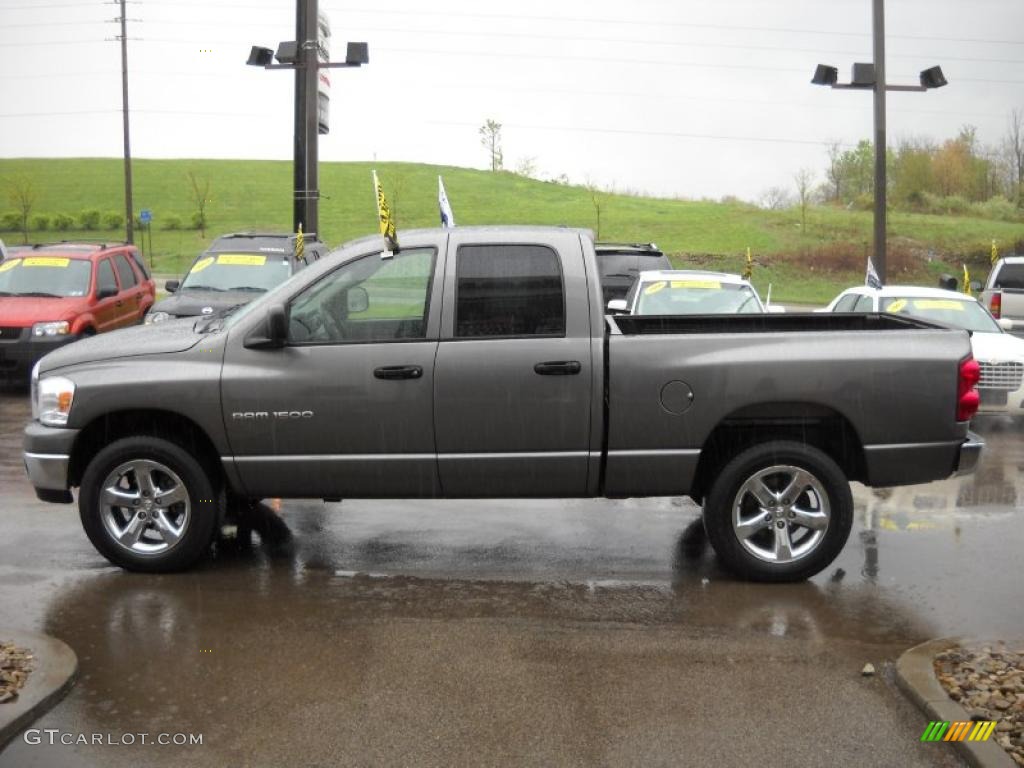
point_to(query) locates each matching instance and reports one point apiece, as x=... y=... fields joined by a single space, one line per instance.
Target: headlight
x=52 y=402
x=158 y=317
x=51 y=329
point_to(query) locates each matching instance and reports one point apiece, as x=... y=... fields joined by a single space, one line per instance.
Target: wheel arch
x=812 y=423
x=168 y=425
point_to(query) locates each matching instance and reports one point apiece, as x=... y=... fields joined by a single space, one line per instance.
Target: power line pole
x=878 y=32
x=129 y=216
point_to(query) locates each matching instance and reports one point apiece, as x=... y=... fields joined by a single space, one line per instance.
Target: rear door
x=512 y=389
x=129 y=304
x=106 y=310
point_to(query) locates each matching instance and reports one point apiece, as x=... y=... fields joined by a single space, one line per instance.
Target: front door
x=106 y=310
x=513 y=382
x=344 y=409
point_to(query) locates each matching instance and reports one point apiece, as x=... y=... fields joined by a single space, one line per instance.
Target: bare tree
x=490 y=138
x=1014 y=144
x=21 y=193
x=804 y=180
x=835 y=170
x=597 y=199
x=527 y=166
x=200 y=199
x=774 y=198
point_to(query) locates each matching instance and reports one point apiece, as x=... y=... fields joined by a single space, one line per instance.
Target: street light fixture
x=306 y=56
x=871 y=76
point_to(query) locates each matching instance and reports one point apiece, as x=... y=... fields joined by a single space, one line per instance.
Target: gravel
x=988 y=681
x=15 y=664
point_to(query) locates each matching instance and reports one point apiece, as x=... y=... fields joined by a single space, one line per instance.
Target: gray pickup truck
x=478 y=362
x=1003 y=294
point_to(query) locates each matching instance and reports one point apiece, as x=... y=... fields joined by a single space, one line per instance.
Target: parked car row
x=54 y=294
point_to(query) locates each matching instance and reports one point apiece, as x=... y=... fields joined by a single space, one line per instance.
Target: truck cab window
x=369 y=299
x=508 y=290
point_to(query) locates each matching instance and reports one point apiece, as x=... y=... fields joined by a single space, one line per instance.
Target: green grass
x=256 y=195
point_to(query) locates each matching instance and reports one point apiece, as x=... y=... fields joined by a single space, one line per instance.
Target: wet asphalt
x=509 y=632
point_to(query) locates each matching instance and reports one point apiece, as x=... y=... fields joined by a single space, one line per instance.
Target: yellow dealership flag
x=967 y=281
x=300 y=245
x=748 y=271
x=387 y=222
x=995 y=252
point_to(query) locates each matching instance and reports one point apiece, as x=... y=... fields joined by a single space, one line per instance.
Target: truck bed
x=635 y=325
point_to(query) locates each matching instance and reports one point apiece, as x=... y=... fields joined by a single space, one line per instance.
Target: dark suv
x=234 y=270
x=621 y=263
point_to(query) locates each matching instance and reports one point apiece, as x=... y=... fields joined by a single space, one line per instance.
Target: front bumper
x=47 y=458
x=970 y=452
x=19 y=354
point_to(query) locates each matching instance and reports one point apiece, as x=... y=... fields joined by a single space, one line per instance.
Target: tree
x=21 y=193
x=804 y=180
x=834 y=174
x=527 y=167
x=774 y=199
x=1014 y=147
x=490 y=138
x=200 y=199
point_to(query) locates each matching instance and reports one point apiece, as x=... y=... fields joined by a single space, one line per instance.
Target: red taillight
x=995 y=304
x=967 y=399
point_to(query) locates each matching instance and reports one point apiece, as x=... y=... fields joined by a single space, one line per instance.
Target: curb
x=915 y=676
x=56 y=668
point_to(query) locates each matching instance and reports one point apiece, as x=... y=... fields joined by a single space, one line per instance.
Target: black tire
x=726 y=541
x=205 y=498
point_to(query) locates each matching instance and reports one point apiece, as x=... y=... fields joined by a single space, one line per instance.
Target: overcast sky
x=672 y=97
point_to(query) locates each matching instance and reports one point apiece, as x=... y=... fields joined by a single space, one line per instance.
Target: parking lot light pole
x=872 y=76
x=303 y=56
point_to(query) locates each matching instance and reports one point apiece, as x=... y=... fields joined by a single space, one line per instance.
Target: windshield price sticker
x=897 y=306
x=706 y=285
x=654 y=287
x=242 y=260
x=202 y=264
x=46 y=261
x=956 y=306
x=9 y=264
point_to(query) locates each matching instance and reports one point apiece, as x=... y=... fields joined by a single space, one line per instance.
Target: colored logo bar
x=967 y=730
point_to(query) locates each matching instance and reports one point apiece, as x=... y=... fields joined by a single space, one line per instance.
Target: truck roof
x=911 y=290
x=698 y=274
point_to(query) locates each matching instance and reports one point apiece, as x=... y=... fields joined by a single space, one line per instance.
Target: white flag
x=871 y=279
x=447 y=217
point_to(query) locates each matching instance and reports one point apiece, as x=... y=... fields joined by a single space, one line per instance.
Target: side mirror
x=358 y=300
x=105 y=293
x=172 y=286
x=273 y=333
x=617 y=307
x=975 y=286
x=1006 y=323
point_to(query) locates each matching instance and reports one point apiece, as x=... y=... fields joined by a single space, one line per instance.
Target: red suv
x=51 y=295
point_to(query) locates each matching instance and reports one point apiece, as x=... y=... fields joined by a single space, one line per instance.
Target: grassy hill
x=801 y=266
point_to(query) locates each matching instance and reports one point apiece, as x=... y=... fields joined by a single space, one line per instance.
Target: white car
x=1000 y=354
x=689 y=292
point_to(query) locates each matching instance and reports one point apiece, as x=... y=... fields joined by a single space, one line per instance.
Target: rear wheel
x=147 y=505
x=780 y=511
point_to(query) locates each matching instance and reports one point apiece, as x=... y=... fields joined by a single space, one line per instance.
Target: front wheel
x=147 y=505
x=779 y=511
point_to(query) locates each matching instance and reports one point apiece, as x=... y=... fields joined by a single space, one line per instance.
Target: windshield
x=961 y=313
x=45 y=276
x=255 y=272
x=696 y=297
